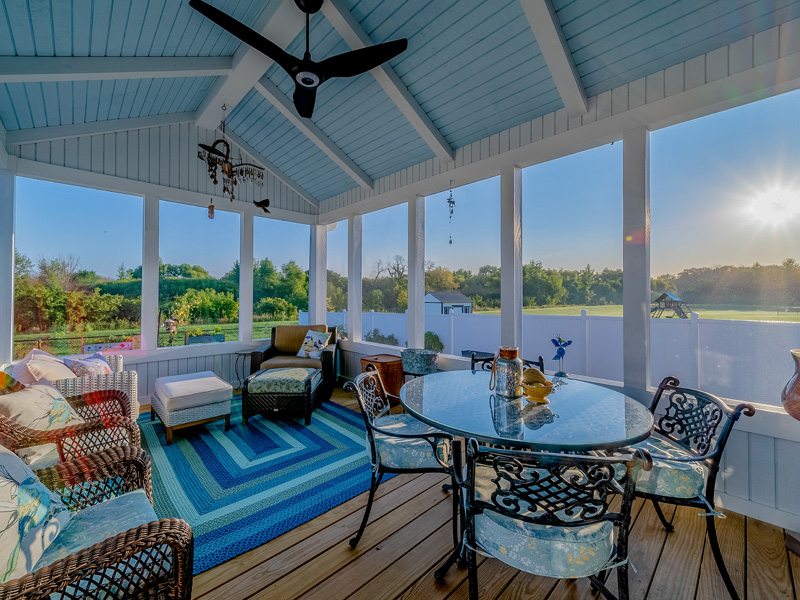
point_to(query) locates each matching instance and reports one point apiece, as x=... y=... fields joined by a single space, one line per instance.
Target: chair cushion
x=91 y=365
x=403 y=453
x=39 y=364
x=289 y=338
x=546 y=550
x=193 y=389
x=98 y=523
x=313 y=344
x=31 y=517
x=283 y=381
x=279 y=362
x=669 y=478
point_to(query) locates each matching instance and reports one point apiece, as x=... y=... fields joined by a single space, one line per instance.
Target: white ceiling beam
x=274 y=95
x=271 y=167
x=57 y=132
x=547 y=31
x=281 y=27
x=25 y=69
x=354 y=35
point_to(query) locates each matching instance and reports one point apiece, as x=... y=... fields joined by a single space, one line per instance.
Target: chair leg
x=472 y=574
x=456 y=505
x=711 y=528
x=374 y=483
x=667 y=525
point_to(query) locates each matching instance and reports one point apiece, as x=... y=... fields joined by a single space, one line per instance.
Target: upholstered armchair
x=285 y=342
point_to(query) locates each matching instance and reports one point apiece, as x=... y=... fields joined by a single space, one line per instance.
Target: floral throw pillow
x=93 y=365
x=31 y=516
x=313 y=344
x=9 y=385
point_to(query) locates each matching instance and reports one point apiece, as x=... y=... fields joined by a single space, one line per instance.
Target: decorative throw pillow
x=314 y=343
x=9 y=385
x=93 y=365
x=38 y=365
x=31 y=516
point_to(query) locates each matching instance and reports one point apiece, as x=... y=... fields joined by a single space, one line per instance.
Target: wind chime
x=451 y=204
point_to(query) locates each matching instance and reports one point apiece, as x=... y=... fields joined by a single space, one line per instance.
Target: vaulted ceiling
x=472 y=68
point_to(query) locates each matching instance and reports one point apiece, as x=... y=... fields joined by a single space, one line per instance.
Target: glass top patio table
x=580 y=416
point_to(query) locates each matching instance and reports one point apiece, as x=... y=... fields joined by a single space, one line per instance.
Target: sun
x=775 y=206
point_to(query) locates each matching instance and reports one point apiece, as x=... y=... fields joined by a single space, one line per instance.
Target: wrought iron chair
x=399 y=443
x=548 y=514
x=485 y=364
x=686 y=448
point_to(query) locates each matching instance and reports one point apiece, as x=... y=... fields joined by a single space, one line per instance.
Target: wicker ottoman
x=192 y=399
x=291 y=389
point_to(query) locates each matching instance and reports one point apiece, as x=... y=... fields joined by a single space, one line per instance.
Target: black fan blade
x=360 y=61
x=247 y=35
x=304 y=99
x=211 y=150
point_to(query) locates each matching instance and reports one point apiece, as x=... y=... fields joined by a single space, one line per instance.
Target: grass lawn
x=705 y=312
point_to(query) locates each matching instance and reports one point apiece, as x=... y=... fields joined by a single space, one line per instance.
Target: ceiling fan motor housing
x=309 y=6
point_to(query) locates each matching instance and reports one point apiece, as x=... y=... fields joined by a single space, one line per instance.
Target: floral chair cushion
x=550 y=551
x=31 y=516
x=289 y=380
x=93 y=365
x=404 y=453
x=669 y=478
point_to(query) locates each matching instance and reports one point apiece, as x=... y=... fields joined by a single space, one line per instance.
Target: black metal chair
x=485 y=364
x=686 y=448
x=548 y=514
x=400 y=443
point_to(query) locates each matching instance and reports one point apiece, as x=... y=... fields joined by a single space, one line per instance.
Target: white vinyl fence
x=742 y=360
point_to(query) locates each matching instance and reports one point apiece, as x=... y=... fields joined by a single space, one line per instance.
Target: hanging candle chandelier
x=218 y=156
x=451 y=204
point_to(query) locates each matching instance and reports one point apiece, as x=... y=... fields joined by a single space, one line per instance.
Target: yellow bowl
x=538 y=393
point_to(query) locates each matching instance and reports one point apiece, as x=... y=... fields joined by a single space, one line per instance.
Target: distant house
x=445 y=303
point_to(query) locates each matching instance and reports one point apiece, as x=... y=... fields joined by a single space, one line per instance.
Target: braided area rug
x=241 y=488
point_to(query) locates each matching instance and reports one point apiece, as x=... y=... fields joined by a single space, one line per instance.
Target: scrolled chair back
x=565 y=490
x=698 y=421
x=371 y=395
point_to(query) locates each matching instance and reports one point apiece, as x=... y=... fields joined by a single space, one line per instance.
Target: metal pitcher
x=506 y=379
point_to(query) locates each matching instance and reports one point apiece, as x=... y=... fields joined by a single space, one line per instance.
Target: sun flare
x=775 y=206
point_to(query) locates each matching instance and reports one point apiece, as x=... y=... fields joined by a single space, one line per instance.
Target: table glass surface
x=580 y=416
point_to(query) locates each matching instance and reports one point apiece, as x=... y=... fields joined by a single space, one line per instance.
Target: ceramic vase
x=790 y=397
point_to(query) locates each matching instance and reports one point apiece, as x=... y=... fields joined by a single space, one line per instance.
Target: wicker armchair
x=153 y=560
x=124 y=381
x=107 y=423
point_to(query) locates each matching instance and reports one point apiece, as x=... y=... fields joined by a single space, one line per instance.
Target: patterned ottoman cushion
x=291 y=380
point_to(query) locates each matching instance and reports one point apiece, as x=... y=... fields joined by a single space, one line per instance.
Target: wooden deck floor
x=410 y=533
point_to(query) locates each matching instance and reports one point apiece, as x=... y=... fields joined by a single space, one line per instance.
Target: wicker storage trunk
x=391 y=369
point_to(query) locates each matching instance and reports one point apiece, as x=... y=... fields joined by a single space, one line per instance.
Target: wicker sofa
x=143 y=557
x=124 y=381
x=285 y=342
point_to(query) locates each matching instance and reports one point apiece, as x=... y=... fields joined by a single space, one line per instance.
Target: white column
x=416 y=272
x=246 y=278
x=636 y=260
x=355 y=248
x=318 y=275
x=6 y=266
x=150 y=253
x=511 y=257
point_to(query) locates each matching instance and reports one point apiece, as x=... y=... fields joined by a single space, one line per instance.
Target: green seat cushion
x=290 y=380
x=670 y=478
x=405 y=453
x=98 y=523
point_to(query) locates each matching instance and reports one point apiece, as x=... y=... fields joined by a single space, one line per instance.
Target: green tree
x=440 y=279
x=374 y=301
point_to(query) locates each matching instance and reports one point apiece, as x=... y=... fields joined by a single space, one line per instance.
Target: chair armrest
x=124 y=381
x=154 y=559
x=329 y=363
x=91 y=479
x=259 y=355
x=101 y=404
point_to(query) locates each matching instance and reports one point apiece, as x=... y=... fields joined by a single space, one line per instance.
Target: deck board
x=409 y=535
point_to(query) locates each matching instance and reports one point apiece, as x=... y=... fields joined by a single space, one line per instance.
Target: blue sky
x=705 y=176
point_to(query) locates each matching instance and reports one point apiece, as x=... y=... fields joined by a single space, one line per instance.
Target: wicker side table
x=391 y=370
x=288 y=390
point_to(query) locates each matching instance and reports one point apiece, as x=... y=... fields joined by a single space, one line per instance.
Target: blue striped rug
x=241 y=488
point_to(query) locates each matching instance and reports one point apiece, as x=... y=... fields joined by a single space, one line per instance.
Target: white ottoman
x=191 y=399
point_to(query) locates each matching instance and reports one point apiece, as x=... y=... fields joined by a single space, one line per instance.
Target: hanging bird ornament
x=451 y=204
x=560 y=344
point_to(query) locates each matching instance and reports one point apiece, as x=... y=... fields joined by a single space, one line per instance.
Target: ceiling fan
x=307 y=74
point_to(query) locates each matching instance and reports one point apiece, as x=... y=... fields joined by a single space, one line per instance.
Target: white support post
x=636 y=261
x=246 y=278
x=150 y=254
x=354 y=270
x=6 y=266
x=416 y=272
x=694 y=338
x=511 y=257
x=318 y=276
